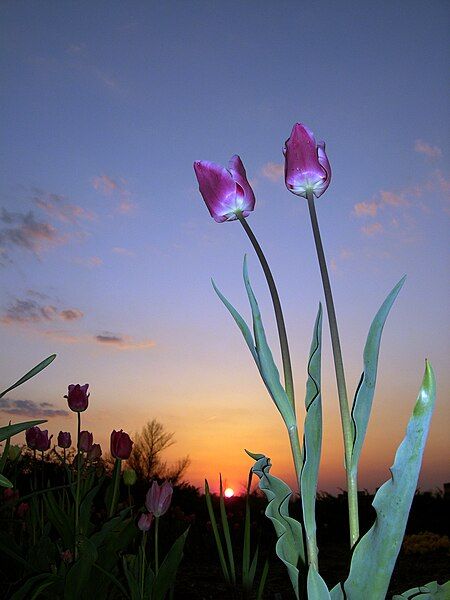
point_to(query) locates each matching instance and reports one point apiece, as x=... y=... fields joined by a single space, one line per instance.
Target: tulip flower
x=85 y=441
x=31 y=436
x=129 y=477
x=158 y=498
x=77 y=397
x=306 y=163
x=22 y=509
x=121 y=445
x=37 y=439
x=94 y=452
x=226 y=192
x=145 y=521
x=64 y=439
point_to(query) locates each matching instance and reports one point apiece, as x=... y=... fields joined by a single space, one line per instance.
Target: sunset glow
x=228 y=493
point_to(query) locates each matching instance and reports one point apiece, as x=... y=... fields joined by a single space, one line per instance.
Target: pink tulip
x=225 y=191
x=145 y=521
x=306 y=163
x=86 y=441
x=121 y=445
x=77 y=397
x=64 y=439
x=158 y=498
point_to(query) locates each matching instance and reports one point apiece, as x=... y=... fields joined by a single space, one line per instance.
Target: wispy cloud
x=56 y=206
x=122 y=342
x=273 y=171
x=27 y=311
x=372 y=229
x=117 y=188
x=122 y=251
x=428 y=150
x=365 y=208
x=91 y=262
x=30 y=408
x=395 y=199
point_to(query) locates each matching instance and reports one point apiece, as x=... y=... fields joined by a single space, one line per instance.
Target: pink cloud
x=105 y=184
x=25 y=311
x=91 y=262
x=122 y=342
x=394 y=199
x=108 y=186
x=372 y=229
x=365 y=209
x=56 y=206
x=430 y=151
x=273 y=171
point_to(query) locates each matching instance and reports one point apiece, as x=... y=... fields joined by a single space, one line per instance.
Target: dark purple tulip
x=31 y=436
x=225 y=191
x=145 y=521
x=306 y=163
x=64 y=439
x=94 y=452
x=78 y=397
x=43 y=441
x=121 y=445
x=158 y=498
x=86 y=441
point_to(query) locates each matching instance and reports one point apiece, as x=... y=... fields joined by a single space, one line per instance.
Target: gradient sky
x=107 y=248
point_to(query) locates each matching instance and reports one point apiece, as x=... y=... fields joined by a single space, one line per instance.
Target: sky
x=107 y=249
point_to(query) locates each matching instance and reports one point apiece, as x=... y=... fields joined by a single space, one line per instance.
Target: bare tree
x=146 y=458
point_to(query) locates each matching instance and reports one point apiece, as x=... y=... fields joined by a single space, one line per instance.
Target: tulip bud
x=77 y=397
x=86 y=440
x=129 y=477
x=64 y=439
x=94 y=452
x=145 y=521
x=121 y=445
x=226 y=192
x=14 y=452
x=38 y=439
x=22 y=509
x=158 y=498
x=31 y=436
x=306 y=164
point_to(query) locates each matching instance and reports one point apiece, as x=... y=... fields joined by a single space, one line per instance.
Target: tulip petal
x=237 y=170
x=218 y=189
x=323 y=160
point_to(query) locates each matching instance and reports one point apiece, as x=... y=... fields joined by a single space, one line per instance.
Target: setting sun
x=228 y=493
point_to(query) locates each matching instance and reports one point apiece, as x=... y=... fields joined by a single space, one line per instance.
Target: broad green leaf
x=362 y=403
x=5 y=482
x=10 y=430
x=336 y=593
x=289 y=546
x=267 y=367
x=37 y=581
x=317 y=588
x=78 y=576
x=59 y=519
x=212 y=518
x=375 y=554
x=168 y=570
x=429 y=591
x=30 y=374
x=5 y=453
x=312 y=442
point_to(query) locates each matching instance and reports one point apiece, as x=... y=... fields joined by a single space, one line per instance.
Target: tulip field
x=78 y=522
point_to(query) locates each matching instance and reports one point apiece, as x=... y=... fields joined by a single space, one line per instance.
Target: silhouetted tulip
x=31 y=435
x=306 y=163
x=129 y=477
x=37 y=439
x=64 y=439
x=78 y=397
x=225 y=191
x=22 y=509
x=94 y=452
x=158 y=498
x=145 y=521
x=86 y=440
x=121 y=445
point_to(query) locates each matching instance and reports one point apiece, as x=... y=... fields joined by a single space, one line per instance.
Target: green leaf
x=317 y=589
x=226 y=532
x=362 y=403
x=336 y=593
x=262 y=581
x=10 y=430
x=289 y=546
x=78 y=576
x=4 y=482
x=44 y=579
x=59 y=519
x=375 y=554
x=429 y=591
x=168 y=570
x=5 y=454
x=312 y=441
x=30 y=374
x=212 y=518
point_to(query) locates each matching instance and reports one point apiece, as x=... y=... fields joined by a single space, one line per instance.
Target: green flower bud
x=14 y=452
x=129 y=477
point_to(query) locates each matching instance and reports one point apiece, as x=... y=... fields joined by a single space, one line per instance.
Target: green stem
x=116 y=479
x=144 y=543
x=77 y=497
x=287 y=368
x=347 y=428
x=156 y=546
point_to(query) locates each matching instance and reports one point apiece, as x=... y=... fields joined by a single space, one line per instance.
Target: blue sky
x=107 y=248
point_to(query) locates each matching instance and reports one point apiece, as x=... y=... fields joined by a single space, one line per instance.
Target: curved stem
x=287 y=368
x=347 y=428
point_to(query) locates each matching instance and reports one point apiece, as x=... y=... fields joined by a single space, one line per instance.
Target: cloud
x=30 y=408
x=273 y=171
x=372 y=229
x=394 y=199
x=105 y=184
x=90 y=262
x=25 y=311
x=122 y=251
x=432 y=152
x=122 y=342
x=365 y=208
x=22 y=230
x=56 y=207
x=108 y=186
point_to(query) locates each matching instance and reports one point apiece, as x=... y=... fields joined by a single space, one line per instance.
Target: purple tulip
x=306 y=164
x=158 y=498
x=31 y=436
x=64 y=439
x=94 y=452
x=37 y=439
x=121 y=445
x=225 y=191
x=145 y=521
x=86 y=440
x=77 y=397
